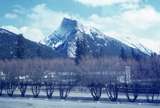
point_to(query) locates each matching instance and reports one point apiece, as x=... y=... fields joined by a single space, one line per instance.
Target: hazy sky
x=134 y=19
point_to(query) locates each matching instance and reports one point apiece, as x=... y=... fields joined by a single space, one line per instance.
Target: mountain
x=64 y=41
x=16 y=46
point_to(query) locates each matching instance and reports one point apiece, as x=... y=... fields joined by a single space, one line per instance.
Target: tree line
x=90 y=69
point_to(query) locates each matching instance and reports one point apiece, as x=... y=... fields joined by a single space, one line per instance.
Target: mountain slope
x=16 y=46
x=64 y=40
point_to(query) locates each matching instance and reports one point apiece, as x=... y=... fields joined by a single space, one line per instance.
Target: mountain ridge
x=64 y=39
x=15 y=46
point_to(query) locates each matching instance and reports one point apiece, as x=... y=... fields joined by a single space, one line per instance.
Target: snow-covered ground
x=6 y=102
x=75 y=100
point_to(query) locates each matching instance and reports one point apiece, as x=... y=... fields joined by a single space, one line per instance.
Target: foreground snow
x=76 y=99
x=6 y=102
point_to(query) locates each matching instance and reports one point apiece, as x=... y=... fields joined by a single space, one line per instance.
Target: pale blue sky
x=36 y=19
x=69 y=6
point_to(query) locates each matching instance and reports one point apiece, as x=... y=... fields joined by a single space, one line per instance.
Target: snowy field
x=75 y=100
x=6 y=102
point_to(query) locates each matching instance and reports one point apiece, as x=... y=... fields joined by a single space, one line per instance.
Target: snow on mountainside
x=65 y=37
x=3 y=31
x=134 y=43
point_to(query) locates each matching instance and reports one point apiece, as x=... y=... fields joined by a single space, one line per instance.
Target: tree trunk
x=1 y=88
x=131 y=92
x=64 y=91
x=10 y=89
x=36 y=90
x=96 y=91
x=152 y=94
x=49 y=89
x=22 y=88
x=112 y=91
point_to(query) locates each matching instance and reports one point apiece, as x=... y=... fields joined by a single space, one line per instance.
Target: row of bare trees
x=37 y=72
x=95 y=70
x=35 y=69
x=94 y=73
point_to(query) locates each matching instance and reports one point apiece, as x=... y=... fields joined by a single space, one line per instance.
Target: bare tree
x=67 y=75
x=100 y=72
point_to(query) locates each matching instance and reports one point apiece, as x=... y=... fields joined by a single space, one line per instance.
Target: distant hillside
x=16 y=46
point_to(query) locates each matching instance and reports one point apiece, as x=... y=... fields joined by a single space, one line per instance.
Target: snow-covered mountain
x=64 y=39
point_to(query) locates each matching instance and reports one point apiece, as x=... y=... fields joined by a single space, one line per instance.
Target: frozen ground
x=18 y=102
x=76 y=99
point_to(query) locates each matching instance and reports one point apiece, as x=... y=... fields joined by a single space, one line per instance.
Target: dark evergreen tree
x=39 y=53
x=20 y=47
x=80 y=50
x=100 y=53
x=135 y=55
x=123 y=54
x=155 y=65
